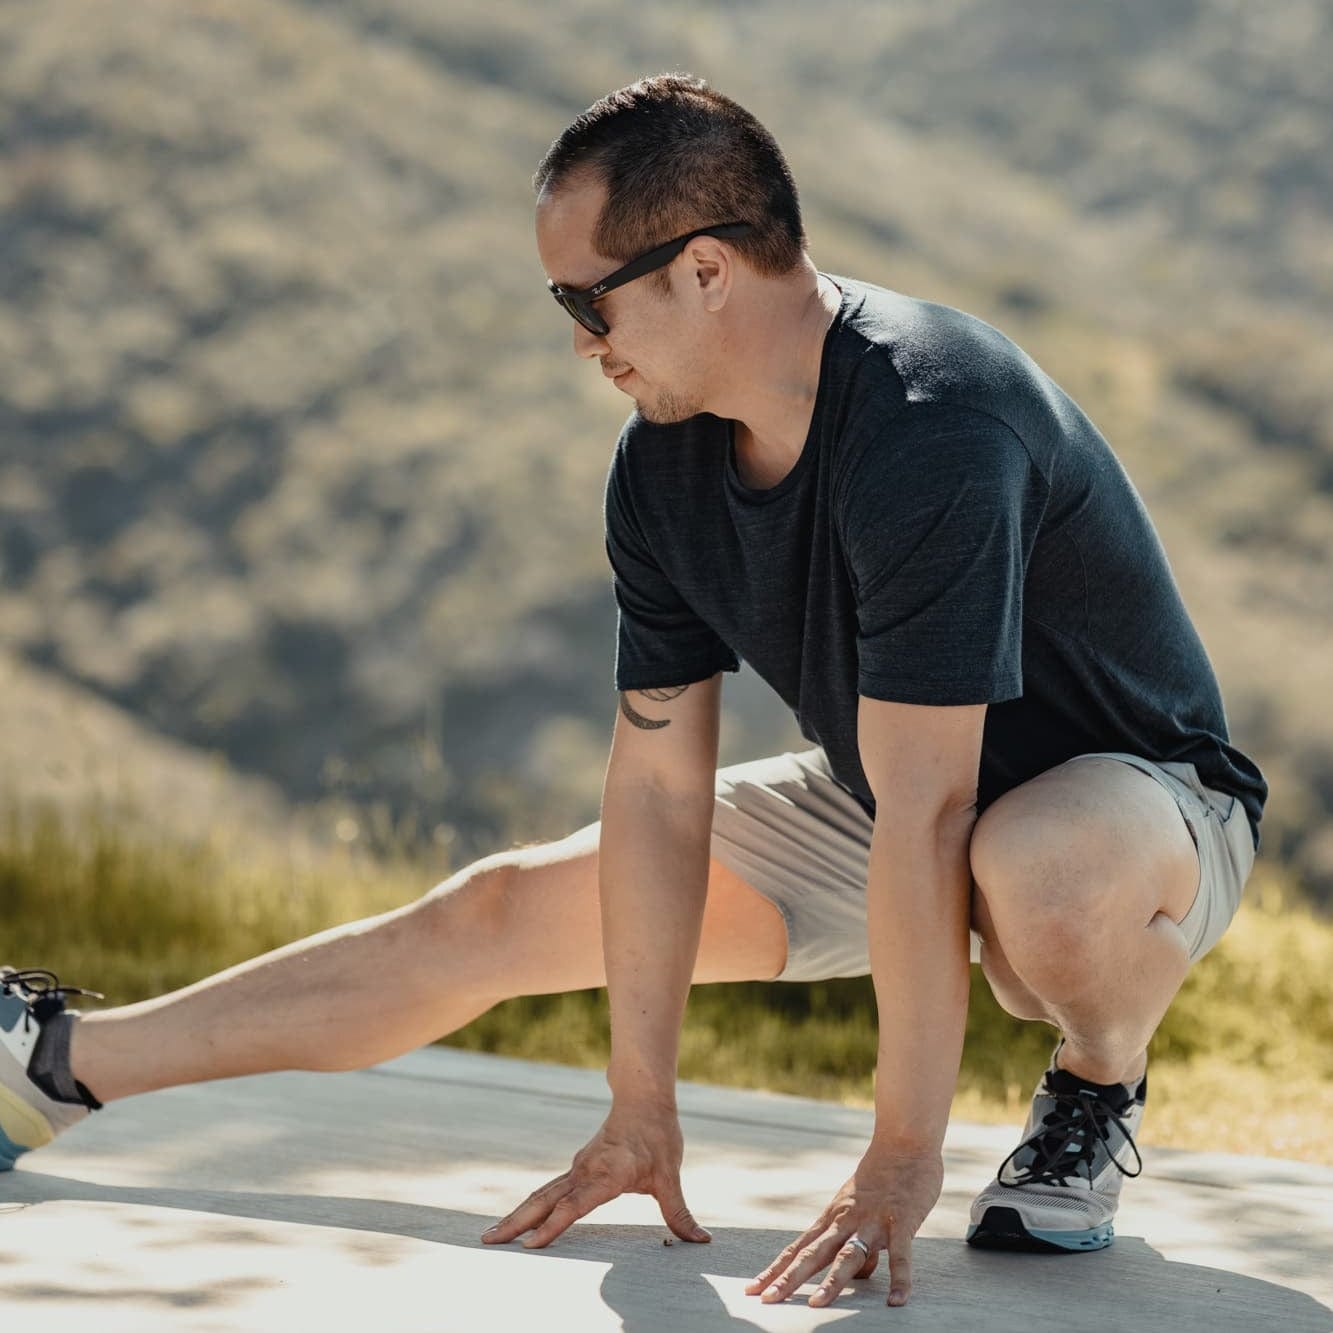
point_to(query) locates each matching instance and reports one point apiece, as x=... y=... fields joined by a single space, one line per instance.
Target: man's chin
x=666 y=410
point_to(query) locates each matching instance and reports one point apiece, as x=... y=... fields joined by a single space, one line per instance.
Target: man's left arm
x=937 y=513
x=921 y=762
x=922 y=765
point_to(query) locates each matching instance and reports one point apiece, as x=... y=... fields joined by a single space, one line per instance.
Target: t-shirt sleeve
x=660 y=641
x=938 y=511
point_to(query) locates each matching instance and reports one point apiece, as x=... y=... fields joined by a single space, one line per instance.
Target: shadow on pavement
x=954 y=1287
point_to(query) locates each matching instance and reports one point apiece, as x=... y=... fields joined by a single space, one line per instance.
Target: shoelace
x=42 y=991
x=1072 y=1129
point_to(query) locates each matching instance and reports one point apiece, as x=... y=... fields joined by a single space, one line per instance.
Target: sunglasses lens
x=593 y=322
x=583 y=312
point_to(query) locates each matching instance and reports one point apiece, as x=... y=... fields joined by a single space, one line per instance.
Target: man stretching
x=923 y=545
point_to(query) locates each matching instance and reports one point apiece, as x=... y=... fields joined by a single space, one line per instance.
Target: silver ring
x=860 y=1245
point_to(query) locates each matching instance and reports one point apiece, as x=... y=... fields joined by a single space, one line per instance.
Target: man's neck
x=775 y=401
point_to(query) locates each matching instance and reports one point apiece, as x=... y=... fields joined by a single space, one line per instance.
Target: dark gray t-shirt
x=955 y=531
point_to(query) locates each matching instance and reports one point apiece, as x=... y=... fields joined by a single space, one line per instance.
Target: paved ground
x=356 y=1201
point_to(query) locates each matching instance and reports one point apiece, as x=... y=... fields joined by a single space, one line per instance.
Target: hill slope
x=295 y=462
x=63 y=747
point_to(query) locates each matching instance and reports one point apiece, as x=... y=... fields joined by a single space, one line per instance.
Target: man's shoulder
x=936 y=353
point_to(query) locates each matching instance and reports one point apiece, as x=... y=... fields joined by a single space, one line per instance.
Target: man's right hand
x=637 y=1150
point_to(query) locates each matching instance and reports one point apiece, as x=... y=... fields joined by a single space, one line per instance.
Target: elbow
x=945 y=819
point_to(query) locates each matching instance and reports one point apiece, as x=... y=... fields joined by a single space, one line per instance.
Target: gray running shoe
x=1059 y=1189
x=29 y=1116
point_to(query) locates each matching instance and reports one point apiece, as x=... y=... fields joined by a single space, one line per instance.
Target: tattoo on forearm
x=643 y=723
x=657 y=696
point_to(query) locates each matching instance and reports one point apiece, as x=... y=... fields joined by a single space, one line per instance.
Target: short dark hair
x=674 y=154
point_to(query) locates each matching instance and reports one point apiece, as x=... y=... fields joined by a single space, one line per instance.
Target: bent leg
x=521 y=922
x=1081 y=876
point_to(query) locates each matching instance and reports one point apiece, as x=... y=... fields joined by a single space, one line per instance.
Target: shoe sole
x=10 y=1152
x=22 y=1126
x=1003 y=1229
x=21 y=1129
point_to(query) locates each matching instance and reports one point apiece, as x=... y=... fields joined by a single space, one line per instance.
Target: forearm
x=653 y=872
x=918 y=905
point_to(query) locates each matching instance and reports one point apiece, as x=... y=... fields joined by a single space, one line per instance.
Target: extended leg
x=518 y=923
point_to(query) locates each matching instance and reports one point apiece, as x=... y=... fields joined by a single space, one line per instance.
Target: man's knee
x=475 y=902
x=1042 y=904
x=1011 y=994
x=491 y=899
x=1033 y=863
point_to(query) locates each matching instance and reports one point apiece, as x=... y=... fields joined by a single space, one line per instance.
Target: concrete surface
x=357 y=1201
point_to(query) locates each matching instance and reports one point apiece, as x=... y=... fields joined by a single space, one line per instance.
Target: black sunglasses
x=579 y=302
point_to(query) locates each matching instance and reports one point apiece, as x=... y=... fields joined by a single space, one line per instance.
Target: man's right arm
x=657 y=813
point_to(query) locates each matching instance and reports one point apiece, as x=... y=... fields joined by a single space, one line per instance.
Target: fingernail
x=897 y=1297
x=701 y=1234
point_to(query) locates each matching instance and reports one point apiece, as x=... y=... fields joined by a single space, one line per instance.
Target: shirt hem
x=665 y=679
x=939 y=692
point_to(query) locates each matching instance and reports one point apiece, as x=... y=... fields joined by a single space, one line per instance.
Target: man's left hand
x=884 y=1203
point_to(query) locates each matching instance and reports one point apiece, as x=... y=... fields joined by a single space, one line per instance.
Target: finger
x=785 y=1258
x=529 y=1213
x=900 y=1265
x=809 y=1259
x=847 y=1265
x=676 y=1214
x=778 y=1264
x=567 y=1211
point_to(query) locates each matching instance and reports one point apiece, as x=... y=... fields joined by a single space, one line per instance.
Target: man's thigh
x=549 y=931
x=787 y=828
x=1108 y=841
x=1110 y=836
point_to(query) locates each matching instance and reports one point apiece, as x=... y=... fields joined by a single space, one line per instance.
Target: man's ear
x=712 y=268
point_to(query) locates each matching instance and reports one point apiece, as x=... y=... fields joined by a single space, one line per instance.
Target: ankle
x=50 y=1067
x=1100 y=1066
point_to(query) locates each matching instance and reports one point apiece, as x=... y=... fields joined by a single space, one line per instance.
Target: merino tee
x=955 y=531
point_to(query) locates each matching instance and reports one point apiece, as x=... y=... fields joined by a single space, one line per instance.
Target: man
x=929 y=552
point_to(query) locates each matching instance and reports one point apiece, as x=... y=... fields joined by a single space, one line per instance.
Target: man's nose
x=588 y=344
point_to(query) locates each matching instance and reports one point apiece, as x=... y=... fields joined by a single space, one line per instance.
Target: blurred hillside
x=69 y=751
x=296 y=465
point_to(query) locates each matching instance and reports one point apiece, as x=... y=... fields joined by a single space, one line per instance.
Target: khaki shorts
x=788 y=829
